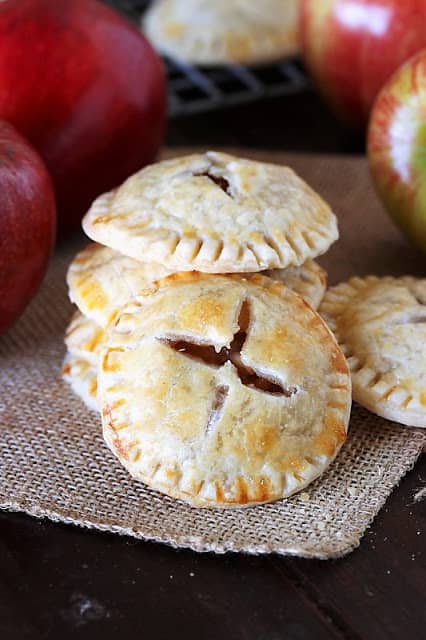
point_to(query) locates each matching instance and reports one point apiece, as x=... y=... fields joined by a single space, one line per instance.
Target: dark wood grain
x=380 y=589
x=60 y=581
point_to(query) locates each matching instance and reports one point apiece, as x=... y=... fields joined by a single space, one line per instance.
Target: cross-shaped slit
x=210 y=357
x=220 y=181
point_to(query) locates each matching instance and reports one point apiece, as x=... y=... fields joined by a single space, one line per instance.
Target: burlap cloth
x=53 y=461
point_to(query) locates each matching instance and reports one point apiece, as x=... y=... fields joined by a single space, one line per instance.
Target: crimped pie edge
x=368 y=386
x=341 y=387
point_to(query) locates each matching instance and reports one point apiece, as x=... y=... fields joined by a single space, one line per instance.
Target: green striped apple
x=397 y=147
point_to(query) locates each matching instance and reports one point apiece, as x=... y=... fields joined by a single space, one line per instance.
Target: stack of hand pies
x=196 y=336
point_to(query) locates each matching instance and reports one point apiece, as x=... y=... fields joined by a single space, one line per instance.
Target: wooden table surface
x=62 y=582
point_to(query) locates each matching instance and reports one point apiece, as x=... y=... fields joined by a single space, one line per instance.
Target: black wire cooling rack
x=195 y=90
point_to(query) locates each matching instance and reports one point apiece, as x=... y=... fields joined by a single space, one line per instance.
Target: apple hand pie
x=214 y=32
x=223 y=391
x=214 y=213
x=380 y=324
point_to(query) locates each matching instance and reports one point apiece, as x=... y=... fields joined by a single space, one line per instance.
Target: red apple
x=27 y=223
x=88 y=91
x=397 y=147
x=351 y=47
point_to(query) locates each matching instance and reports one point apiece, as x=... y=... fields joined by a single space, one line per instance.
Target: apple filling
x=208 y=355
x=220 y=181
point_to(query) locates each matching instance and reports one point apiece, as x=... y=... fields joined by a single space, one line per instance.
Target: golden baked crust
x=215 y=213
x=309 y=281
x=81 y=375
x=223 y=391
x=84 y=338
x=210 y=32
x=101 y=280
x=380 y=324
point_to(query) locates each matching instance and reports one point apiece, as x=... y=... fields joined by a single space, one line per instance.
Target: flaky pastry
x=83 y=338
x=101 y=280
x=380 y=324
x=309 y=281
x=81 y=375
x=210 y=32
x=223 y=391
x=215 y=213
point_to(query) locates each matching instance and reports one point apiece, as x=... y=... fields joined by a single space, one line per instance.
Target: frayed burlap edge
x=195 y=544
